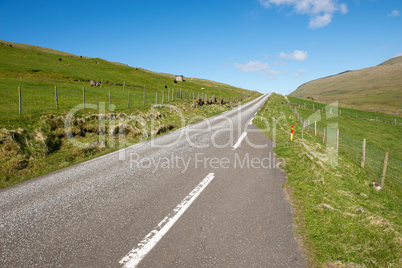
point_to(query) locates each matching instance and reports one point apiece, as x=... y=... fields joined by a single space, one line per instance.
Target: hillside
x=377 y=88
x=38 y=70
x=47 y=105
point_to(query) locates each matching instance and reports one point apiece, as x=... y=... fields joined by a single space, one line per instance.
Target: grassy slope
x=378 y=87
x=385 y=137
x=42 y=146
x=341 y=219
x=35 y=142
x=37 y=70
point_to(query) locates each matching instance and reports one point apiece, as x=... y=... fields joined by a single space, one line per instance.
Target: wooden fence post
x=156 y=98
x=110 y=100
x=163 y=95
x=315 y=128
x=19 y=100
x=143 y=100
x=124 y=85
x=324 y=137
x=128 y=104
x=57 y=99
x=337 y=139
x=364 y=154
x=384 y=170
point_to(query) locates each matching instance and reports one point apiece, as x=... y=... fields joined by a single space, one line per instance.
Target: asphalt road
x=207 y=195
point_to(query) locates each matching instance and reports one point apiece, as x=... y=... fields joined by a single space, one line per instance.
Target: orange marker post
x=261 y=116
x=291 y=134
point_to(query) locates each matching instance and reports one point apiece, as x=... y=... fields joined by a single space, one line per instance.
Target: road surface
x=207 y=195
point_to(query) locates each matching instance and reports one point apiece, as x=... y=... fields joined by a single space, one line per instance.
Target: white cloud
x=320 y=11
x=274 y=72
x=299 y=55
x=343 y=8
x=252 y=66
x=394 y=13
x=398 y=54
x=320 y=21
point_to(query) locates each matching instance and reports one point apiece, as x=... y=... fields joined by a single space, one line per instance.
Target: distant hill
x=377 y=88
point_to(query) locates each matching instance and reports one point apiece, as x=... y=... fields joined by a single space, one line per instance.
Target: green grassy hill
x=377 y=88
x=51 y=83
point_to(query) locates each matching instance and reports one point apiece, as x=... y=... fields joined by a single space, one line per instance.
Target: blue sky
x=263 y=45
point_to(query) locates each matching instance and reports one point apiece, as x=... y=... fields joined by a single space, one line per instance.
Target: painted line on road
x=243 y=135
x=134 y=257
x=251 y=121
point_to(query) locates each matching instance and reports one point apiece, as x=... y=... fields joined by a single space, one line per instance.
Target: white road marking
x=251 y=122
x=134 y=257
x=243 y=135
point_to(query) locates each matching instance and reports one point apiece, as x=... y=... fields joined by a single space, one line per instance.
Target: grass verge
x=34 y=145
x=341 y=219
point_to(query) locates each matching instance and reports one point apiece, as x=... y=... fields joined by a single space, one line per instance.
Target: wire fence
x=36 y=99
x=375 y=162
x=342 y=111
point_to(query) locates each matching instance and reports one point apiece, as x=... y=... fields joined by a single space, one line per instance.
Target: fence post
x=337 y=139
x=163 y=95
x=57 y=99
x=19 y=100
x=143 y=100
x=315 y=128
x=156 y=98
x=110 y=101
x=128 y=104
x=124 y=85
x=364 y=154
x=384 y=170
x=325 y=133
x=83 y=96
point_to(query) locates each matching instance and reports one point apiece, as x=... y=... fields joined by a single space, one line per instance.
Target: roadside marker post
x=261 y=116
x=291 y=134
